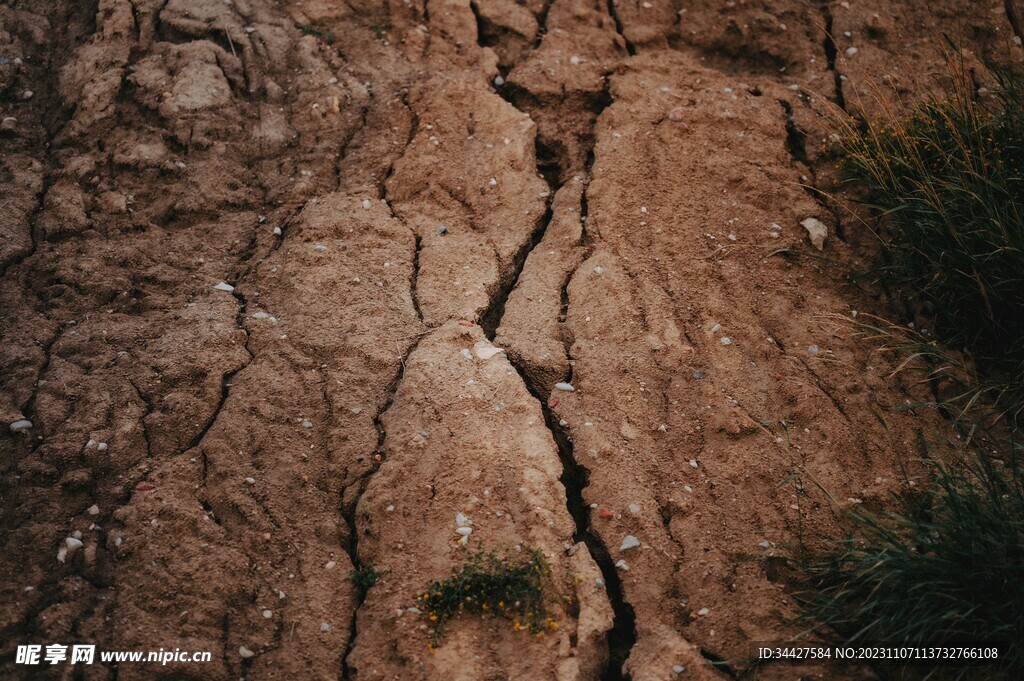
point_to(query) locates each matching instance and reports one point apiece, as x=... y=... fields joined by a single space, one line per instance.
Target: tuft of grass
x=364 y=578
x=949 y=177
x=946 y=572
x=512 y=587
x=325 y=34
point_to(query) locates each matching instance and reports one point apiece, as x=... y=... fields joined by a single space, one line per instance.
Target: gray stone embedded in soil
x=629 y=542
x=21 y=426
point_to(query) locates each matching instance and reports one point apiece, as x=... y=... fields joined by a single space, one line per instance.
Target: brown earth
x=606 y=191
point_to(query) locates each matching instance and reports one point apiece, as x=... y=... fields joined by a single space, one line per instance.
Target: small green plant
x=946 y=572
x=513 y=587
x=949 y=177
x=364 y=578
x=326 y=34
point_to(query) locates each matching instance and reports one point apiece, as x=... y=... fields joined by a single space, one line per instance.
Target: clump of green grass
x=949 y=176
x=946 y=572
x=513 y=587
x=326 y=34
x=364 y=578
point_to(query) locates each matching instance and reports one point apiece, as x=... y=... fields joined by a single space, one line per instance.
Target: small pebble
x=329 y=565
x=250 y=481
x=390 y=508
x=245 y=653
x=726 y=340
x=27 y=94
x=224 y=287
x=307 y=424
x=622 y=565
x=102 y=446
x=598 y=270
x=366 y=203
x=698 y=374
x=678 y=668
x=850 y=51
x=464 y=531
x=93 y=510
x=267 y=614
x=629 y=542
x=565 y=386
x=499 y=81
x=325 y=627
x=277 y=231
x=21 y=426
x=442 y=230
x=693 y=463
x=812 y=350
x=703 y=611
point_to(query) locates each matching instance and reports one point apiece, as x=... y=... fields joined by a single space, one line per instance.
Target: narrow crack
x=142 y=420
x=225 y=381
x=719 y=663
x=348 y=510
x=796 y=145
x=831 y=51
x=622 y=636
x=614 y=14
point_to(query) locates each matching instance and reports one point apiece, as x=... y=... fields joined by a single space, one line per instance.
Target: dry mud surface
x=607 y=191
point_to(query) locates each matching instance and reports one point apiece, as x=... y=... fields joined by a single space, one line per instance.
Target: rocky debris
x=629 y=542
x=21 y=426
x=816 y=232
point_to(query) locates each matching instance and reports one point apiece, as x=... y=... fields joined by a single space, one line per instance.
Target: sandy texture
x=256 y=261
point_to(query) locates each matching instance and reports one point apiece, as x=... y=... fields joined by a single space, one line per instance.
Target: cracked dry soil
x=589 y=185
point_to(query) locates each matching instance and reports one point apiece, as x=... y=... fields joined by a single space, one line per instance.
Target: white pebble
x=267 y=614
x=565 y=386
x=629 y=542
x=93 y=510
x=703 y=611
x=102 y=446
x=366 y=203
x=224 y=287
x=726 y=340
x=693 y=463
x=622 y=565
x=245 y=653
x=325 y=627
x=21 y=425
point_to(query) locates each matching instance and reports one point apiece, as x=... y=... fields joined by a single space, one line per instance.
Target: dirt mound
x=258 y=260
